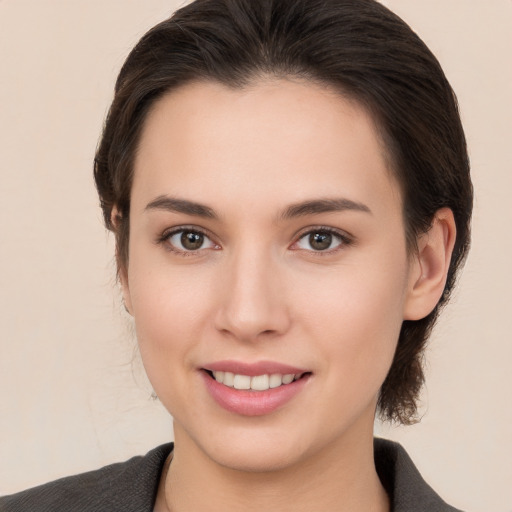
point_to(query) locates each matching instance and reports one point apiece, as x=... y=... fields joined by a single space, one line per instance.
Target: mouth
x=262 y=382
x=254 y=389
x=254 y=395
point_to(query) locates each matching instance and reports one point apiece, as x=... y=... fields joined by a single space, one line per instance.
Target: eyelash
x=344 y=239
x=166 y=236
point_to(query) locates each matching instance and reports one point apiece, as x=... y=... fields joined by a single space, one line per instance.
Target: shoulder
x=125 y=486
x=403 y=482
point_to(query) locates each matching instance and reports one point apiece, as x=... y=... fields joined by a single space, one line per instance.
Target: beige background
x=70 y=397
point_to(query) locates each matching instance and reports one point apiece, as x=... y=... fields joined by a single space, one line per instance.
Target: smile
x=253 y=389
x=254 y=383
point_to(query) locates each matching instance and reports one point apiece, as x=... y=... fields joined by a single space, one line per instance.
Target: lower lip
x=252 y=403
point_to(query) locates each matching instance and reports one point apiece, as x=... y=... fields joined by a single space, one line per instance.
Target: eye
x=188 y=240
x=321 y=240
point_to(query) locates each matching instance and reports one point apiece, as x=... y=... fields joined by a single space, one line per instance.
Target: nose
x=252 y=304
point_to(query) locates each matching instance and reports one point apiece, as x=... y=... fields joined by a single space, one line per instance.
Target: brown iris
x=192 y=240
x=320 y=241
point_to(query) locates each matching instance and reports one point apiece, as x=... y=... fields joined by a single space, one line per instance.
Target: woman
x=288 y=186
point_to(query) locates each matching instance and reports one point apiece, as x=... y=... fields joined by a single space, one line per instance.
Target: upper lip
x=253 y=369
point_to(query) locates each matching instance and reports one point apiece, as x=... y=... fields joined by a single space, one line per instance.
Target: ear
x=122 y=271
x=429 y=266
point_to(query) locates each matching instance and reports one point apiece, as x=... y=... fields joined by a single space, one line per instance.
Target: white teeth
x=288 y=378
x=242 y=382
x=256 y=383
x=259 y=383
x=229 y=379
x=276 y=379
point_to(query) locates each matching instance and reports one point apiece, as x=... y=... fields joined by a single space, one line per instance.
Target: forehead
x=296 y=138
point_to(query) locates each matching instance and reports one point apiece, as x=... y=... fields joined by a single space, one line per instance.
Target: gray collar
x=403 y=482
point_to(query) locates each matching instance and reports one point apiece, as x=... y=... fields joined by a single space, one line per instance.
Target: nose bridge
x=253 y=302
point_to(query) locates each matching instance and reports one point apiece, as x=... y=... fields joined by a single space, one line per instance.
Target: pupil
x=320 y=241
x=192 y=241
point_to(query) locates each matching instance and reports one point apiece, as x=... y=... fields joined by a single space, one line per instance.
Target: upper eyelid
x=177 y=229
x=335 y=231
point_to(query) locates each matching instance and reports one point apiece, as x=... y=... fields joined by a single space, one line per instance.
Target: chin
x=251 y=450
x=257 y=459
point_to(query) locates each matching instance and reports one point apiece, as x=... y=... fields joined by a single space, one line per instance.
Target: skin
x=257 y=290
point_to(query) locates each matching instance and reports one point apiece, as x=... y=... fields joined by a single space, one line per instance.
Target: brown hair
x=356 y=46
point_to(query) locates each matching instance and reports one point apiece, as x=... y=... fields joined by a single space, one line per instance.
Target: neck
x=340 y=479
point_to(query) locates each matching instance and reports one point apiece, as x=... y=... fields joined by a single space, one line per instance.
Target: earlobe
x=429 y=268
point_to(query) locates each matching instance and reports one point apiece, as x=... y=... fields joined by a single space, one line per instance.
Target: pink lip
x=253 y=403
x=253 y=369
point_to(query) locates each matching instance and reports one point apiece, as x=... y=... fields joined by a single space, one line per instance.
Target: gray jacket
x=131 y=486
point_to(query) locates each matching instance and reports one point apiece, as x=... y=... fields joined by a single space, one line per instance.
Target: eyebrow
x=322 y=206
x=173 y=204
x=302 y=209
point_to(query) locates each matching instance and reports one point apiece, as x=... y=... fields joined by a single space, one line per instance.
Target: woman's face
x=266 y=239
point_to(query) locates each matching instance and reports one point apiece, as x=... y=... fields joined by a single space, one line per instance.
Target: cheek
x=355 y=318
x=166 y=322
x=169 y=307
